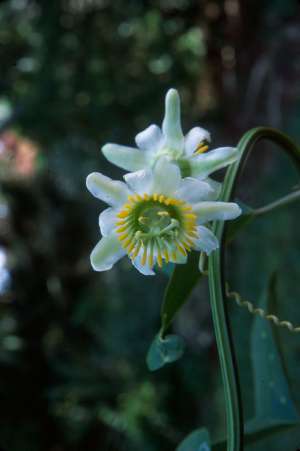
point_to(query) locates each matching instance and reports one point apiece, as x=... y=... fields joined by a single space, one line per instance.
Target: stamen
x=143 y=220
x=201 y=149
x=163 y=213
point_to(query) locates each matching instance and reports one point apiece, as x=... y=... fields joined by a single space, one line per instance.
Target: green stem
x=289 y=198
x=234 y=415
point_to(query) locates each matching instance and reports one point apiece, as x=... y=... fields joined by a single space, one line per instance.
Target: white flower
x=155 y=217
x=188 y=152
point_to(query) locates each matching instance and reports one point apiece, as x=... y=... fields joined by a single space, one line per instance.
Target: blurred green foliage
x=78 y=73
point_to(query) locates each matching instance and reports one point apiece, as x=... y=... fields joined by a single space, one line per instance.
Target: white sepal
x=104 y=188
x=150 y=139
x=171 y=125
x=211 y=211
x=107 y=221
x=206 y=242
x=128 y=158
x=204 y=164
x=106 y=253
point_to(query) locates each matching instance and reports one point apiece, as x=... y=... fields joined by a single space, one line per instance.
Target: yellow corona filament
x=201 y=149
x=123 y=214
x=150 y=258
x=181 y=249
x=137 y=233
x=127 y=243
x=136 y=250
x=123 y=236
x=166 y=255
x=131 y=247
x=159 y=258
x=121 y=229
x=144 y=257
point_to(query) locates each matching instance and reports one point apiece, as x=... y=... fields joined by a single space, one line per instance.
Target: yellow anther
x=201 y=149
x=190 y=216
x=142 y=220
x=168 y=201
x=146 y=196
x=155 y=196
x=130 y=198
x=161 y=198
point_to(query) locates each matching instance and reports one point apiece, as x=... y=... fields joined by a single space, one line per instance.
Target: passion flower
x=155 y=217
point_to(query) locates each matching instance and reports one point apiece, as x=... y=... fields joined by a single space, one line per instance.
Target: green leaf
x=181 y=283
x=274 y=409
x=164 y=350
x=198 y=440
x=273 y=401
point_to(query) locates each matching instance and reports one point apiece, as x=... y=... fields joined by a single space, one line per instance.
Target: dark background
x=75 y=74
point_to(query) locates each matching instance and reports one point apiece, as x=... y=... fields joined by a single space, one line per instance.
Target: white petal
x=143 y=269
x=215 y=186
x=107 y=221
x=106 y=253
x=192 y=190
x=211 y=211
x=139 y=181
x=150 y=139
x=171 y=125
x=166 y=178
x=206 y=241
x=194 y=138
x=204 y=164
x=128 y=158
x=112 y=192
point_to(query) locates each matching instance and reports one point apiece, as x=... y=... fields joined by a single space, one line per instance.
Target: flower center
x=156 y=226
